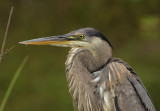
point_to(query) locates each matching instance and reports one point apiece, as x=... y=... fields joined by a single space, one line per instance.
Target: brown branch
x=8 y=50
x=5 y=35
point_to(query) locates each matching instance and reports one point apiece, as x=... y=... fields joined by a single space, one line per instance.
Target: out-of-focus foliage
x=132 y=26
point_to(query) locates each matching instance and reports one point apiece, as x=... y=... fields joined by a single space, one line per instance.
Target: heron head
x=82 y=38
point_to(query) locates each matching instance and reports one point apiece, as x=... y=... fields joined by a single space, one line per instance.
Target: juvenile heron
x=96 y=80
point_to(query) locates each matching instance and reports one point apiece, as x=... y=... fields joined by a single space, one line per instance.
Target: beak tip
x=20 y=42
x=23 y=42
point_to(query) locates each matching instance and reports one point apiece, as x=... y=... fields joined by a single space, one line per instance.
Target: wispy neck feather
x=79 y=65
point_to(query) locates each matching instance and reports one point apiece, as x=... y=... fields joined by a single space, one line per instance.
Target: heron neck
x=79 y=66
x=100 y=54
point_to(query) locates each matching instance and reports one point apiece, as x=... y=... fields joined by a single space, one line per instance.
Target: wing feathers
x=142 y=93
x=127 y=90
x=136 y=83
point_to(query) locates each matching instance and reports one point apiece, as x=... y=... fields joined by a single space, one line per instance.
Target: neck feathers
x=79 y=65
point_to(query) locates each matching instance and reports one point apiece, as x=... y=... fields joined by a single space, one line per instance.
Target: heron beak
x=53 y=40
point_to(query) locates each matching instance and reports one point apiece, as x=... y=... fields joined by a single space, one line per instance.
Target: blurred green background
x=132 y=26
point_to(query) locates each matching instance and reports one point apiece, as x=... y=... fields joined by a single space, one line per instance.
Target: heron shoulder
x=120 y=79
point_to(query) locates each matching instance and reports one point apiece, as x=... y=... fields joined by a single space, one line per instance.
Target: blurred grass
x=132 y=27
x=9 y=90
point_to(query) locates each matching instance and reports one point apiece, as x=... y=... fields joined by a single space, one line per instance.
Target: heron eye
x=81 y=36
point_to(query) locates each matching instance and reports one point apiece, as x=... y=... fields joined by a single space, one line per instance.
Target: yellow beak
x=53 y=40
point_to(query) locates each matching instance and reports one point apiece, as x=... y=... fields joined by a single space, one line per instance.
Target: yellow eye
x=81 y=36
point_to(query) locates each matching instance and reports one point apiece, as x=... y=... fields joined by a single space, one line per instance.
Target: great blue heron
x=96 y=80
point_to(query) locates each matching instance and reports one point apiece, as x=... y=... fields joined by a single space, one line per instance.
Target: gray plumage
x=96 y=80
